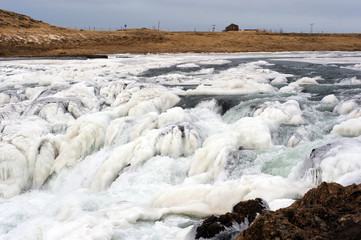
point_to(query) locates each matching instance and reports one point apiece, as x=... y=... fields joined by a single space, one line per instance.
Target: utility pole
x=158 y=25
x=311 y=27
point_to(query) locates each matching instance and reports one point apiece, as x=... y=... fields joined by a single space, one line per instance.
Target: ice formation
x=330 y=99
x=348 y=128
x=285 y=113
x=328 y=162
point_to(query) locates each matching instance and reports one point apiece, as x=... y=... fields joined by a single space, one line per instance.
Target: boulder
x=229 y=225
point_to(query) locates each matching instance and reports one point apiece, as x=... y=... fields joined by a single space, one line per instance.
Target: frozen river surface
x=144 y=146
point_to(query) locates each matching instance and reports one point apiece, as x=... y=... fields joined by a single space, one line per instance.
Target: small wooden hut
x=232 y=27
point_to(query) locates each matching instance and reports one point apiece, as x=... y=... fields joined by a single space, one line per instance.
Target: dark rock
x=231 y=223
x=250 y=209
x=209 y=228
x=329 y=211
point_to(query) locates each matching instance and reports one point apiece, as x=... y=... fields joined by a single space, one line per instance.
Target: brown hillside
x=15 y=20
x=21 y=35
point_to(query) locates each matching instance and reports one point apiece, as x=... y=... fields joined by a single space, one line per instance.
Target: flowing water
x=144 y=146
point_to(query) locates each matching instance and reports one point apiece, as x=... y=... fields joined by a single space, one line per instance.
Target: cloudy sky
x=330 y=16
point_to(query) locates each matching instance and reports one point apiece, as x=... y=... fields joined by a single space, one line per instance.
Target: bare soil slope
x=21 y=35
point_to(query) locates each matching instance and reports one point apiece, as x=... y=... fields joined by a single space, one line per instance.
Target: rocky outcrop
x=229 y=225
x=329 y=211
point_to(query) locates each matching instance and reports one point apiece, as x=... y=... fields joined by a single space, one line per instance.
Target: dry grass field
x=21 y=35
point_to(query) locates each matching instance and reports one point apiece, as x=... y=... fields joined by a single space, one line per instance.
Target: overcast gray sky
x=188 y=15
